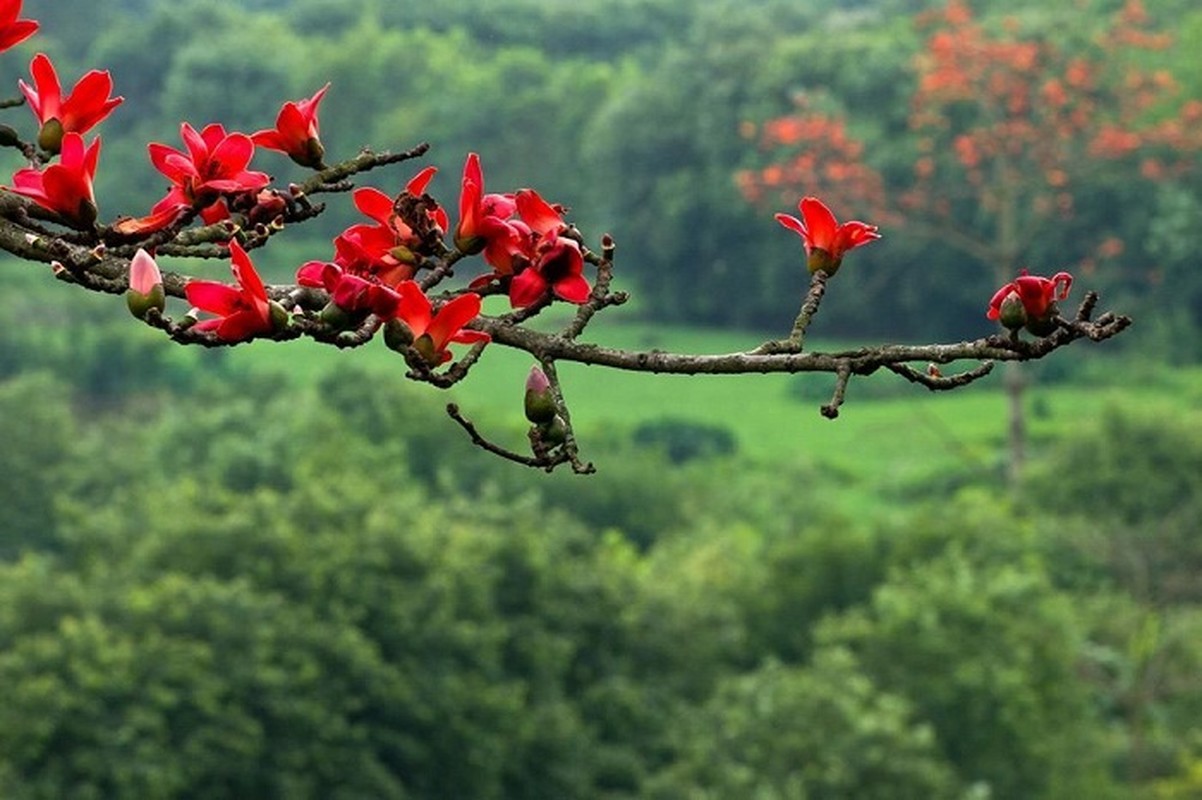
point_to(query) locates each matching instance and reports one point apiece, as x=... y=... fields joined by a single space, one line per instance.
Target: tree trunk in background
x=1016 y=383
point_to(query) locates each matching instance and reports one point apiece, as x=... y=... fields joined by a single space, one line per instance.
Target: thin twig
x=809 y=307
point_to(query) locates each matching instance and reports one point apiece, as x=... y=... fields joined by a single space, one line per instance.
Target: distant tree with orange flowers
x=1010 y=129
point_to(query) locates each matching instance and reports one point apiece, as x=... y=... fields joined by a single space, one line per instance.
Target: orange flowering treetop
x=394 y=278
x=1007 y=126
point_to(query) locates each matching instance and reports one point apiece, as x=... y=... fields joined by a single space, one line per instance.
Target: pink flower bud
x=145 y=285
x=540 y=401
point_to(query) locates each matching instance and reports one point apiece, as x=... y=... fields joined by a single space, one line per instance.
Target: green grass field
x=896 y=441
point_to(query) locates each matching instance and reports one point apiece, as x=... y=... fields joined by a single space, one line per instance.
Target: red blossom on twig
x=1036 y=296
x=353 y=294
x=553 y=261
x=85 y=105
x=215 y=164
x=481 y=216
x=13 y=31
x=66 y=187
x=824 y=238
x=242 y=311
x=433 y=332
x=296 y=131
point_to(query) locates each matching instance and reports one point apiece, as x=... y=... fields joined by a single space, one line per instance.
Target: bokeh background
x=277 y=571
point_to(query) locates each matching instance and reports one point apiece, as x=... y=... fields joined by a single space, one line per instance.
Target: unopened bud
x=540 y=400
x=145 y=285
x=554 y=432
x=334 y=316
x=397 y=335
x=1012 y=313
x=279 y=316
x=50 y=137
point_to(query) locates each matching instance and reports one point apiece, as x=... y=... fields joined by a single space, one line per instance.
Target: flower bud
x=554 y=432
x=334 y=316
x=145 y=285
x=1011 y=313
x=540 y=401
x=280 y=319
x=397 y=335
x=50 y=137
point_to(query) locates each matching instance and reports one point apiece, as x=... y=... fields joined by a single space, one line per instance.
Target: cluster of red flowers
x=534 y=254
x=1029 y=301
x=522 y=238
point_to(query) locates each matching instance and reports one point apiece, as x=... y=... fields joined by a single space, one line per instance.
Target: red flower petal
x=452 y=317
x=216 y=298
x=233 y=153
x=820 y=222
x=536 y=212
x=418 y=183
x=573 y=288
x=373 y=203
x=527 y=288
x=415 y=308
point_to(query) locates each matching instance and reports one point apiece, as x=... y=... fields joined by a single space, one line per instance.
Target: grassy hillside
x=889 y=433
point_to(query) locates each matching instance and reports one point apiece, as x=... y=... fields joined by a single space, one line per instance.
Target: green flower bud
x=50 y=137
x=540 y=400
x=554 y=432
x=1012 y=314
x=280 y=318
x=397 y=335
x=140 y=303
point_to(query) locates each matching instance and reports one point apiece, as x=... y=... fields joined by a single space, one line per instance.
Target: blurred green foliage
x=245 y=588
x=217 y=582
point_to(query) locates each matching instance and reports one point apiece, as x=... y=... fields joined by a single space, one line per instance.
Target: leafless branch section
x=99 y=260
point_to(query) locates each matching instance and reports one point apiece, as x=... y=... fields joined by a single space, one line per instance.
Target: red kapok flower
x=351 y=293
x=13 y=31
x=366 y=250
x=242 y=311
x=825 y=239
x=66 y=187
x=407 y=228
x=296 y=132
x=555 y=261
x=481 y=216
x=433 y=332
x=1037 y=295
x=215 y=164
x=83 y=107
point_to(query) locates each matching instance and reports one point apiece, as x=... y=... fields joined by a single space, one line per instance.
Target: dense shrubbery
x=242 y=590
